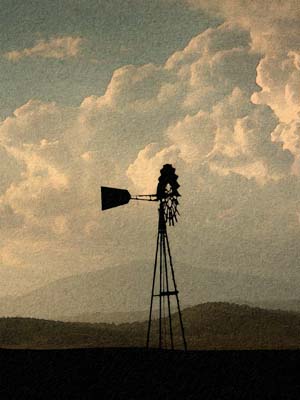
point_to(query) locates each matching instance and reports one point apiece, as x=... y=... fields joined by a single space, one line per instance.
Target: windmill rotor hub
x=167 y=193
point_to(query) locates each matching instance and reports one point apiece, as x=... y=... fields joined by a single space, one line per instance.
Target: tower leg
x=176 y=293
x=152 y=293
x=167 y=284
x=160 y=291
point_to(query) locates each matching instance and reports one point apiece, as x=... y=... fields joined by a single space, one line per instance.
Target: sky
x=106 y=92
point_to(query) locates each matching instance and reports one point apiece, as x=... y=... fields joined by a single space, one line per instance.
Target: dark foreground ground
x=140 y=374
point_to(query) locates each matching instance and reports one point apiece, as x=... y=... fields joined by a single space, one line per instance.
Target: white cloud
x=195 y=112
x=274 y=29
x=35 y=122
x=279 y=78
x=145 y=169
x=220 y=125
x=198 y=102
x=274 y=24
x=57 y=47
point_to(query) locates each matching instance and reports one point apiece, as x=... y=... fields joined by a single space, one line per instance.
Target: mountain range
x=207 y=326
x=122 y=294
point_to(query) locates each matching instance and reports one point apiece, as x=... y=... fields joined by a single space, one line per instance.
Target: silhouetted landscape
x=82 y=360
x=208 y=326
x=112 y=373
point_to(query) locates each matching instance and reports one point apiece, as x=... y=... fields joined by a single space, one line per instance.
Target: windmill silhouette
x=163 y=275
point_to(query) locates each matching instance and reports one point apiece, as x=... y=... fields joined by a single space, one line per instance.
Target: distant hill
x=287 y=305
x=113 y=317
x=225 y=325
x=126 y=289
x=207 y=326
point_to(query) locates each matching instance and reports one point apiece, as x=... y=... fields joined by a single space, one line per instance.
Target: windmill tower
x=164 y=286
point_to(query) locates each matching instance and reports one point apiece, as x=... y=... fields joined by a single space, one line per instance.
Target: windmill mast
x=167 y=288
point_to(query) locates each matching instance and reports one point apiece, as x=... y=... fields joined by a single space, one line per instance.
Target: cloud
x=279 y=78
x=220 y=124
x=139 y=103
x=11 y=169
x=59 y=48
x=234 y=156
x=274 y=29
x=36 y=121
x=199 y=102
x=146 y=168
x=273 y=23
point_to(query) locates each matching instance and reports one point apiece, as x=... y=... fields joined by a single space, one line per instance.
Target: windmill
x=163 y=284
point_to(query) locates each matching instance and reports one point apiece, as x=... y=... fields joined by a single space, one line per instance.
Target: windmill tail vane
x=164 y=286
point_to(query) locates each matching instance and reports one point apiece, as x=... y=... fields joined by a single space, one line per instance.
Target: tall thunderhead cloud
x=223 y=110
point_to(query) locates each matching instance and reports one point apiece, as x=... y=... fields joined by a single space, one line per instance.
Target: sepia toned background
x=106 y=92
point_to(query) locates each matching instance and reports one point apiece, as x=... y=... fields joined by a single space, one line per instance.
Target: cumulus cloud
x=196 y=111
x=11 y=169
x=50 y=193
x=57 y=47
x=139 y=103
x=221 y=125
x=273 y=23
x=274 y=29
x=279 y=79
x=146 y=168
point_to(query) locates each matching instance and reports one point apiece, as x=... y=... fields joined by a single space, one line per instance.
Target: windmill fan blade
x=111 y=197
